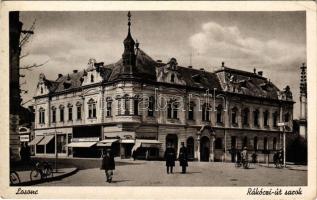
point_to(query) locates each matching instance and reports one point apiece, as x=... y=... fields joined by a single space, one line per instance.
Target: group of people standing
x=108 y=163
x=170 y=158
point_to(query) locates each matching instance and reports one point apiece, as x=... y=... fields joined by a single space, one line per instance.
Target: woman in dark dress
x=170 y=157
x=183 y=158
x=108 y=164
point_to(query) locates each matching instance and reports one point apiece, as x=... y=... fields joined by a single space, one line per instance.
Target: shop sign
x=24 y=138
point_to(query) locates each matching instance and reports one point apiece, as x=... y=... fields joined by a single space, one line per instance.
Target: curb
x=29 y=183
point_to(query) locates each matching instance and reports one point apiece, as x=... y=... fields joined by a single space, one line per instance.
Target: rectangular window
x=256 y=118
x=94 y=111
x=54 y=116
x=265 y=143
x=266 y=118
x=150 y=111
x=136 y=106
x=78 y=112
x=174 y=111
x=169 y=111
x=70 y=113
x=275 y=119
x=61 y=114
x=90 y=111
x=42 y=116
x=127 y=106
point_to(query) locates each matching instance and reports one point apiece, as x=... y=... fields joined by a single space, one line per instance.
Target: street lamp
x=283 y=124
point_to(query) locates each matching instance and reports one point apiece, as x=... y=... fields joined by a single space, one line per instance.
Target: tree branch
x=29 y=67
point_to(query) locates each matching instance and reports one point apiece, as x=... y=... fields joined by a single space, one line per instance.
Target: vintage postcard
x=158 y=100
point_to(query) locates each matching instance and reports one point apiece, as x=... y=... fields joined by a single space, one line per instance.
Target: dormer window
x=41 y=90
x=173 y=78
x=92 y=78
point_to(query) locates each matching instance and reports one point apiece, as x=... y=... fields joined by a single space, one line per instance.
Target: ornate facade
x=141 y=104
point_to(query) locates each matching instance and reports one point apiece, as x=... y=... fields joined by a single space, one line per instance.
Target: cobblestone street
x=153 y=173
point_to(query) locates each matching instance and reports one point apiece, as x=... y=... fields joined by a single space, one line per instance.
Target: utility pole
x=283 y=124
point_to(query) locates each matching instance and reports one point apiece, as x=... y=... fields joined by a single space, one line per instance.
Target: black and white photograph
x=150 y=98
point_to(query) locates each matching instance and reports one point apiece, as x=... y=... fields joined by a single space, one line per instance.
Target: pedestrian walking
x=183 y=158
x=108 y=164
x=170 y=157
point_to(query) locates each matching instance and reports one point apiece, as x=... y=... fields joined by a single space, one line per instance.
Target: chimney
x=75 y=71
x=60 y=75
x=260 y=73
x=190 y=66
x=254 y=70
x=222 y=64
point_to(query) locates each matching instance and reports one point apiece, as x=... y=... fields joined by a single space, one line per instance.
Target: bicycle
x=41 y=171
x=14 y=178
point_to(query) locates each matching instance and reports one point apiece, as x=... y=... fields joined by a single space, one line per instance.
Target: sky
x=272 y=42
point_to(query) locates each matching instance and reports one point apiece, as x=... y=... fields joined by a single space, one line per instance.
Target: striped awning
x=46 y=140
x=107 y=142
x=81 y=144
x=36 y=140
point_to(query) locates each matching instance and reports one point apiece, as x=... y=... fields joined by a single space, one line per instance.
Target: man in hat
x=170 y=157
x=108 y=164
x=183 y=157
x=244 y=155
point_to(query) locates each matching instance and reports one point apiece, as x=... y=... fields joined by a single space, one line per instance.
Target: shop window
x=274 y=143
x=255 y=143
x=286 y=117
x=245 y=142
x=265 y=143
x=233 y=142
x=218 y=143
x=39 y=148
x=61 y=143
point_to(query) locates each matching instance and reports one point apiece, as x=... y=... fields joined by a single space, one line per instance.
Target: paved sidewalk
x=61 y=173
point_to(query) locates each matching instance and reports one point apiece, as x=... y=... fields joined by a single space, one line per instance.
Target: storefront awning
x=146 y=143
x=107 y=142
x=127 y=141
x=36 y=140
x=81 y=144
x=46 y=140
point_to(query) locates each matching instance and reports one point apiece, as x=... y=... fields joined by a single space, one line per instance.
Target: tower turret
x=303 y=101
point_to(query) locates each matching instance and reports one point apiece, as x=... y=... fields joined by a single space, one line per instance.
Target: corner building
x=139 y=104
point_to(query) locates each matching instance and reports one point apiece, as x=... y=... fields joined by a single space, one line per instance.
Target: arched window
x=92 y=111
x=172 y=109
x=218 y=143
x=150 y=111
x=42 y=116
x=92 y=78
x=61 y=113
x=78 y=109
x=255 y=143
x=245 y=116
x=173 y=78
x=53 y=114
x=70 y=112
x=219 y=114
x=256 y=118
x=205 y=112
x=191 y=111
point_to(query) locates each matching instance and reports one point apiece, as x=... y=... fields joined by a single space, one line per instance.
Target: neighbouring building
x=139 y=104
